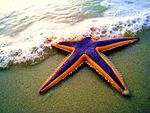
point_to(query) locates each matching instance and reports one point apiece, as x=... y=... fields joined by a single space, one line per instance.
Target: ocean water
x=25 y=25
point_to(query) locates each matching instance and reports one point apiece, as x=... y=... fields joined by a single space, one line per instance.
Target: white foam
x=23 y=31
x=123 y=8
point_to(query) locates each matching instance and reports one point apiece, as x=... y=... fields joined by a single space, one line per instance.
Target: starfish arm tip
x=41 y=91
x=137 y=38
x=126 y=92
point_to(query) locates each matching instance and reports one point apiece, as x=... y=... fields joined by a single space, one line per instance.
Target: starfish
x=90 y=51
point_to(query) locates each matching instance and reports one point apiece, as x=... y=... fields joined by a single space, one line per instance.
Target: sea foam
x=23 y=31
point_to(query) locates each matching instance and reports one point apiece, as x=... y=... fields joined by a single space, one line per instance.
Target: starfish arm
x=113 y=43
x=71 y=45
x=101 y=64
x=65 y=68
x=64 y=47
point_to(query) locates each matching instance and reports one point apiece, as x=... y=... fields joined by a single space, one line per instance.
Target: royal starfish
x=90 y=51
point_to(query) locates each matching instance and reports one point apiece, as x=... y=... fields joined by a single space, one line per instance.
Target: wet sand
x=84 y=91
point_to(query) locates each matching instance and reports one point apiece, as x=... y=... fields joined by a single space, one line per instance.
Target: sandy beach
x=84 y=91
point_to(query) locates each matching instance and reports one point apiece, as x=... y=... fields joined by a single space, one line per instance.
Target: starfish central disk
x=89 y=51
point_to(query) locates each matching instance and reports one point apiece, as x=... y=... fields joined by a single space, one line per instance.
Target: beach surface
x=84 y=91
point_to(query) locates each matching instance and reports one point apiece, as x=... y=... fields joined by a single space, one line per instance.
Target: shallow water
x=84 y=91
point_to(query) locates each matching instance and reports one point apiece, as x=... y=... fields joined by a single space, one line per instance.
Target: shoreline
x=84 y=90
